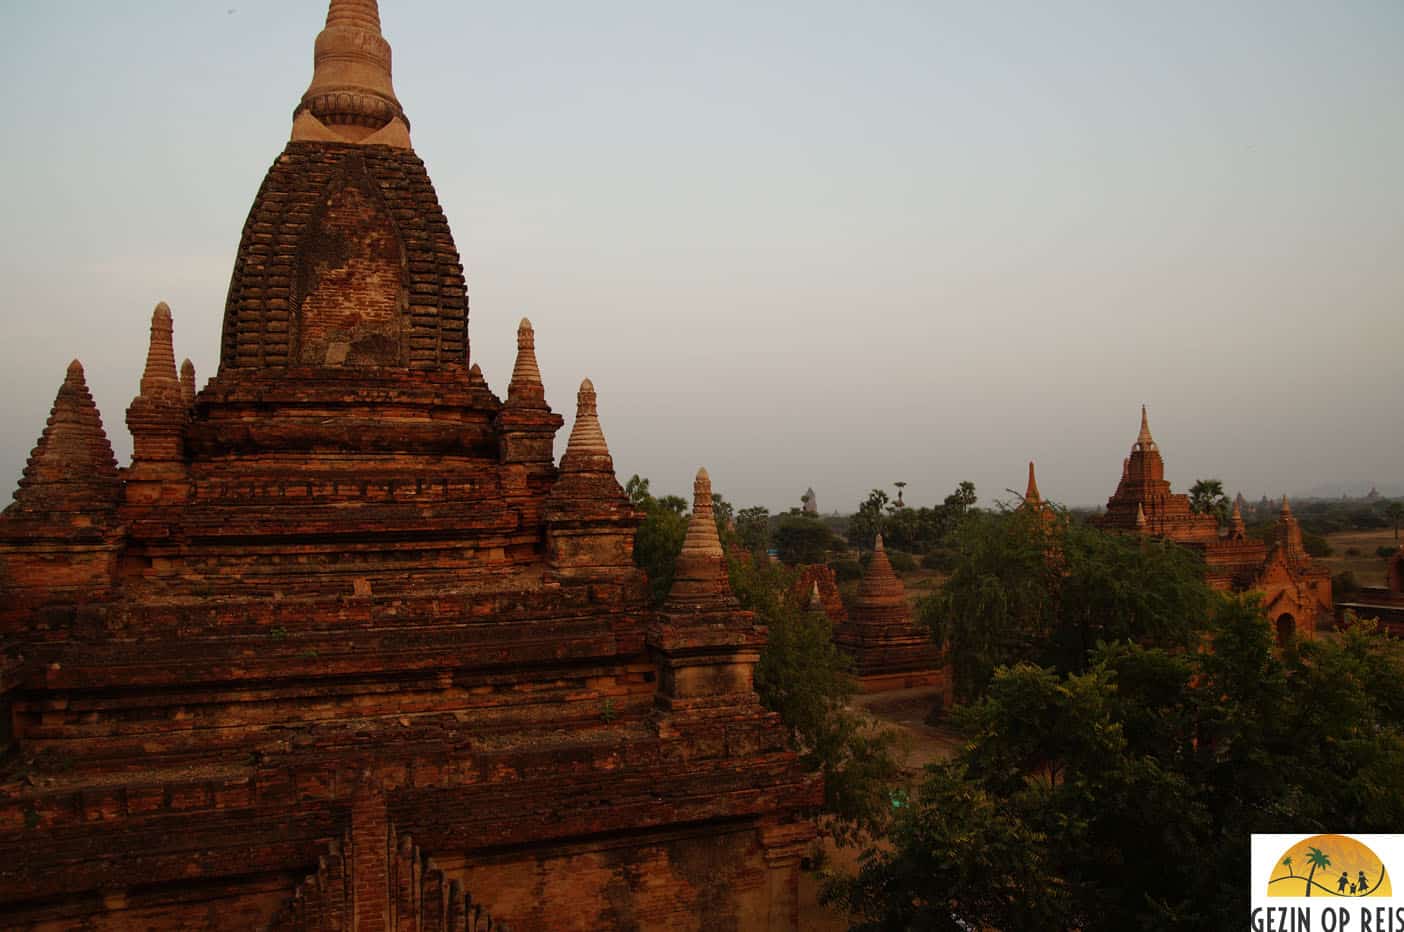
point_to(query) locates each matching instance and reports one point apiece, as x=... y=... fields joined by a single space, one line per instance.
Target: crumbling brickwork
x=343 y=596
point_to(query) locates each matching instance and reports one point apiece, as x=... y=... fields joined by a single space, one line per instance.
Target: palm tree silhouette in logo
x=1287 y=863
x=1316 y=858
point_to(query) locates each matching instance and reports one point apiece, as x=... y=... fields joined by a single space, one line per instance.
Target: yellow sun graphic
x=1330 y=866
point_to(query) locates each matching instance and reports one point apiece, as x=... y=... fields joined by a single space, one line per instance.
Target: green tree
x=1159 y=751
x=660 y=537
x=869 y=521
x=1395 y=512
x=804 y=677
x=1025 y=590
x=1287 y=863
x=801 y=539
x=1207 y=498
x=753 y=528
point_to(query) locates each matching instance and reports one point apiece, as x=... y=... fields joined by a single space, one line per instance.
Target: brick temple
x=1296 y=593
x=887 y=648
x=344 y=647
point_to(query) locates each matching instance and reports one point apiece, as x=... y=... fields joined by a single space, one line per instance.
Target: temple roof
x=880 y=586
x=72 y=468
x=1144 y=440
x=1031 y=495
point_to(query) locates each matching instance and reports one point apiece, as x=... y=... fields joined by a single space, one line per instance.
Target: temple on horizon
x=1296 y=593
x=344 y=647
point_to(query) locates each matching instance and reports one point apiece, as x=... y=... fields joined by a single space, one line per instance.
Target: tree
x=660 y=537
x=869 y=522
x=1164 y=752
x=1287 y=863
x=1207 y=498
x=801 y=539
x=1026 y=590
x=1395 y=512
x=753 y=528
x=804 y=678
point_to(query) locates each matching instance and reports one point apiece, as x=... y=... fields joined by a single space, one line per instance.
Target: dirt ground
x=1369 y=569
x=906 y=710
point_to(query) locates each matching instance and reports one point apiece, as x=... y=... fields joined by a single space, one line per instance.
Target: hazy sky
x=803 y=243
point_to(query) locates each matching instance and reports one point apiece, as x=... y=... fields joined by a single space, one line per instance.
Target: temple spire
x=701 y=566
x=1144 y=440
x=526 y=387
x=1286 y=508
x=1140 y=516
x=1031 y=495
x=72 y=468
x=187 y=382
x=586 y=449
x=1237 y=529
x=352 y=96
x=159 y=380
x=880 y=585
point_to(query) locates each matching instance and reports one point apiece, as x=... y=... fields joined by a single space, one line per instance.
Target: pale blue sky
x=802 y=243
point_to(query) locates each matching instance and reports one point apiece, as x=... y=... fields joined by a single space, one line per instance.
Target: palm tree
x=1287 y=863
x=1316 y=859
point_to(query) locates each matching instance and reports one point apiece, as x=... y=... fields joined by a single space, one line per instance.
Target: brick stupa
x=888 y=650
x=1296 y=592
x=343 y=647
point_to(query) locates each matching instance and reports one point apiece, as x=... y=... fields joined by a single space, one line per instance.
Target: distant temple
x=1296 y=593
x=344 y=647
x=889 y=651
x=810 y=502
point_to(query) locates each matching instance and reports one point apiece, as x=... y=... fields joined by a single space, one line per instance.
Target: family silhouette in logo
x=1362 y=885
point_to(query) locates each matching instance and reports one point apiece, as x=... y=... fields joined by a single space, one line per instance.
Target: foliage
x=800 y=539
x=1395 y=512
x=1123 y=797
x=804 y=677
x=1207 y=498
x=914 y=530
x=660 y=536
x=1023 y=589
x=753 y=528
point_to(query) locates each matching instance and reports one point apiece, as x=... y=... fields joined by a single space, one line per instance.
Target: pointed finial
x=1286 y=507
x=1144 y=440
x=352 y=97
x=525 y=387
x=1237 y=528
x=816 y=600
x=1140 y=515
x=877 y=544
x=879 y=586
x=187 y=382
x=587 y=451
x=1031 y=494
x=159 y=381
x=700 y=573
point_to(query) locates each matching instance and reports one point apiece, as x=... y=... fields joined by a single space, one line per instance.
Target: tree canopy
x=1123 y=796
